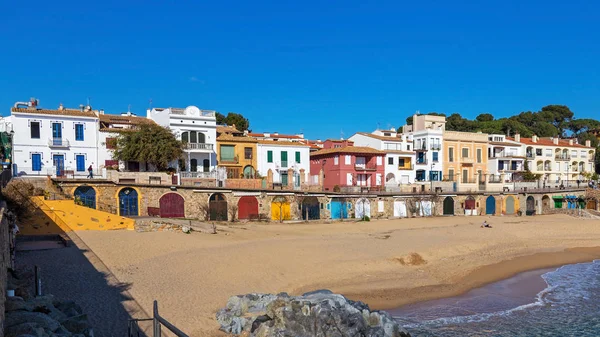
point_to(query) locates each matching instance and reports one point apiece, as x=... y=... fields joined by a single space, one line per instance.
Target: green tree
x=241 y=123
x=220 y=118
x=486 y=117
x=150 y=143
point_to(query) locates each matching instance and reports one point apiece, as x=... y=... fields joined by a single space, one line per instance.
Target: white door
x=349 y=179
x=399 y=208
x=425 y=209
x=362 y=208
x=404 y=179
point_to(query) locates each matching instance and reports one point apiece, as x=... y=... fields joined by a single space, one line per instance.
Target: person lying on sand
x=486 y=225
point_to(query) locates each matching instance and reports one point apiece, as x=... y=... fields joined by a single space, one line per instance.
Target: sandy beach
x=192 y=276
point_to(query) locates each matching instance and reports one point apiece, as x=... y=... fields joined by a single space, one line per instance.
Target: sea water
x=568 y=305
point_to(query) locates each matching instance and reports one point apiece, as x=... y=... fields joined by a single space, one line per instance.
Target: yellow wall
x=470 y=163
x=239 y=152
x=276 y=210
x=407 y=164
x=517 y=204
x=61 y=216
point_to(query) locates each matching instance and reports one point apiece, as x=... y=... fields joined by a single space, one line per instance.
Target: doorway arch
x=470 y=206
x=530 y=202
x=490 y=205
x=128 y=202
x=400 y=208
x=217 y=206
x=510 y=205
x=248 y=208
x=546 y=204
x=362 y=208
x=171 y=205
x=86 y=195
x=448 y=206
x=310 y=209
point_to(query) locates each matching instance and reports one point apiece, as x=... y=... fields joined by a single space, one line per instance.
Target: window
x=247 y=153
x=79 y=132
x=379 y=161
x=450 y=154
x=201 y=138
x=111 y=143
x=548 y=152
x=451 y=174
x=380 y=206
x=193 y=137
x=574 y=153
x=284 y=162
x=479 y=155
x=348 y=160
x=465 y=152
x=298 y=157
x=391 y=161
x=336 y=160
x=35 y=130
x=400 y=162
x=435 y=156
x=269 y=156
x=80 y=161
x=227 y=153
x=538 y=152
x=465 y=176
x=185 y=137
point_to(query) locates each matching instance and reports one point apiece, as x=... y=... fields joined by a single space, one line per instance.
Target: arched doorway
x=85 y=196
x=400 y=208
x=490 y=205
x=311 y=209
x=217 y=206
x=194 y=165
x=448 y=206
x=546 y=203
x=390 y=179
x=205 y=165
x=363 y=208
x=339 y=208
x=249 y=172
x=128 y=202
x=171 y=205
x=510 y=205
x=470 y=206
x=530 y=201
x=426 y=208
x=591 y=204
x=280 y=209
x=248 y=208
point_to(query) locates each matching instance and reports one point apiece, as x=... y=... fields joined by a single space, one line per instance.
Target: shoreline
x=395 y=298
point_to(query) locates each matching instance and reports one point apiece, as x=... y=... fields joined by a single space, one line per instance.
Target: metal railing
x=58 y=142
x=134 y=330
x=436 y=147
x=198 y=146
x=421 y=162
x=561 y=157
x=204 y=175
x=367 y=167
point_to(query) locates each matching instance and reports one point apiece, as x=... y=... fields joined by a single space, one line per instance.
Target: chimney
x=534 y=138
x=517 y=137
x=571 y=141
x=555 y=140
x=588 y=143
x=61 y=107
x=301 y=135
x=275 y=133
x=393 y=129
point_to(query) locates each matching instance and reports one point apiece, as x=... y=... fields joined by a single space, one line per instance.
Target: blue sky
x=321 y=68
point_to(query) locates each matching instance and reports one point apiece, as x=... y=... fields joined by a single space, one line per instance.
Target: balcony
x=436 y=147
x=504 y=154
x=467 y=160
x=422 y=161
x=562 y=157
x=406 y=167
x=230 y=161
x=198 y=175
x=421 y=149
x=367 y=167
x=199 y=146
x=58 y=142
x=530 y=156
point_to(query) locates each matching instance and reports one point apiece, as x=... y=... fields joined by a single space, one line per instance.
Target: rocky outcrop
x=321 y=313
x=44 y=316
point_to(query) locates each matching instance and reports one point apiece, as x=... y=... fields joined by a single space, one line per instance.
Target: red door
x=172 y=206
x=248 y=208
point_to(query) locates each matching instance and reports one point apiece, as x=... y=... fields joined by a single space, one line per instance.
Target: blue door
x=57 y=133
x=59 y=163
x=80 y=161
x=86 y=196
x=36 y=162
x=339 y=209
x=128 y=202
x=490 y=205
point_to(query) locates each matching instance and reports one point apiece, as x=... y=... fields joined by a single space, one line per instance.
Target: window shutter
x=269 y=156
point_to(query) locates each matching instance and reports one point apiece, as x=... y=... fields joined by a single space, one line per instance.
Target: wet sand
x=192 y=276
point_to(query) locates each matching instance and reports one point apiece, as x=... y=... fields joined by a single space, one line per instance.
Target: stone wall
x=6 y=260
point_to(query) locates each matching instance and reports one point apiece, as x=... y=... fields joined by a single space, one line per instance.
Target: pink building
x=347 y=166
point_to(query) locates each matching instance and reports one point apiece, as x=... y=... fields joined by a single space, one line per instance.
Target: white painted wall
x=264 y=166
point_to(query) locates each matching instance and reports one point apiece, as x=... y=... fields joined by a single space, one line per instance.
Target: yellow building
x=236 y=152
x=465 y=156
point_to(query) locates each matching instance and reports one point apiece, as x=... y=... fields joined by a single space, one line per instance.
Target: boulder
x=21 y=329
x=76 y=324
x=19 y=317
x=320 y=313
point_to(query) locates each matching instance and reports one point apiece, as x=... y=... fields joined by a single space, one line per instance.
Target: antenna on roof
x=88 y=101
x=150 y=104
x=377 y=125
x=341 y=134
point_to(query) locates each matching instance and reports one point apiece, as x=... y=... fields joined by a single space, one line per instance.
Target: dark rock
x=21 y=329
x=69 y=308
x=319 y=313
x=19 y=317
x=76 y=324
x=15 y=303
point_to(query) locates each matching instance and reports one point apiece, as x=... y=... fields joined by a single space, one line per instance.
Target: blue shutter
x=36 y=162
x=78 y=131
x=80 y=160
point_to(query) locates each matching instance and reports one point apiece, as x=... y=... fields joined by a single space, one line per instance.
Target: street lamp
x=431 y=176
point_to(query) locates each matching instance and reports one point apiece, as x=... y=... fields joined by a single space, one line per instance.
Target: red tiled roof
x=348 y=149
x=390 y=138
x=64 y=112
x=280 y=142
x=127 y=120
x=272 y=135
x=548 y=142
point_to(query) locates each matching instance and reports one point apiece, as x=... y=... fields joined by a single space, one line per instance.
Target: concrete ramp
x=61 y=216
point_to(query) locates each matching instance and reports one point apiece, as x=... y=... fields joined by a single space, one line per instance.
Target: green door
x=557 y=203
x=284 y=179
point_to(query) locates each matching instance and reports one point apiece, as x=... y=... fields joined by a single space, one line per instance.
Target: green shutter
x=269 y=156
x=284 y=159
x=297 y=156
x=227 y=152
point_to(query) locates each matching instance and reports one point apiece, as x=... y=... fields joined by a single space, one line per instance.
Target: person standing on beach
x=90 y=172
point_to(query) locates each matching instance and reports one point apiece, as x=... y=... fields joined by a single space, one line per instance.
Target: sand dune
x=193 y=275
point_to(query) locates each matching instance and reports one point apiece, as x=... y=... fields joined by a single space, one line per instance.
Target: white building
x=279 y=157
x=54 y=142
x=427 y=132
x=399 y=154
x=505 y=157
x=197 y=128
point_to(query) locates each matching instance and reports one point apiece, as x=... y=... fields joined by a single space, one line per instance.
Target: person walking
x=90 y=172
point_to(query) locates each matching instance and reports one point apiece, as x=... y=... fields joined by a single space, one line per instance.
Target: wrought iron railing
x=158 y=322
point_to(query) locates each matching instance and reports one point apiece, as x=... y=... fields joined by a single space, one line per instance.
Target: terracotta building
x=351 y=168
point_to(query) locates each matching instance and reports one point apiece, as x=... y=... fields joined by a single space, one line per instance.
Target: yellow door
x=283 y=209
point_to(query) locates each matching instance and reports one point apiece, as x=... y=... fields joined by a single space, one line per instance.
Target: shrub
x=366 y=218
x=17 y=194
x=336 y=188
